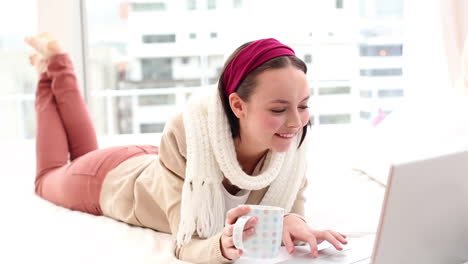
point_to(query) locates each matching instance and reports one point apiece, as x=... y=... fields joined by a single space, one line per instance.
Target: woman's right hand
x=228 y=249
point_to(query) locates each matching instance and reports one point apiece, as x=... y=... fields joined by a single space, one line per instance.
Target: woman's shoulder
x=175 y=123
x=173 y=136
x=174 y=133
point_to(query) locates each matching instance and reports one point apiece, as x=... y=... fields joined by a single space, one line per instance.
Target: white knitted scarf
x=211 y=155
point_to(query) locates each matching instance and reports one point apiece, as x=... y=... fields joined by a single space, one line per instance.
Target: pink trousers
x=70 y=167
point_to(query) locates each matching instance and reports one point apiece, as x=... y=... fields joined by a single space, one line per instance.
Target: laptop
x=424 y=218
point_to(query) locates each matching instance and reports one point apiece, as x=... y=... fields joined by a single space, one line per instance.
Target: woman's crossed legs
x=70 y=168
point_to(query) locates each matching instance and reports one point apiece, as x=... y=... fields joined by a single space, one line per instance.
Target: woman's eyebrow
x=281 y=101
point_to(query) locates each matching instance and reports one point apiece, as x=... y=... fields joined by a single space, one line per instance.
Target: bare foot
x=38 y=62
x=44 y=44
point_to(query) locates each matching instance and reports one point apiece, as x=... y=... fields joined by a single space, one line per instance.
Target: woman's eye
x=278 y=110
x=304 y=107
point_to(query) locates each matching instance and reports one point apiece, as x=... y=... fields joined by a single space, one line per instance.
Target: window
x=163 y=99
x=124 y=113
x=237 y=3
x=381 y=50
x=390 y=93
x=148 y=7
x=335 y=119
x=211 y=4
x=381 y=72
x=169 y=38
x=185 y=60
x=152 y=128
x=141 y=72
x=365 y=93
x=334 y=90
x=365 y=114
x=156 y=68
x=17 y=78
x=191 y=4
x=339 y=4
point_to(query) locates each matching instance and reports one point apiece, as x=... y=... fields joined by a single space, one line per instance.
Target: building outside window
x=148 y=7
x=237 y=3
x=131 y=61
x=211 y=4
x=167 y=38
x=191 y=4
x=119 y=62
x=381 y=72
x=339 y=4
x=381 y=50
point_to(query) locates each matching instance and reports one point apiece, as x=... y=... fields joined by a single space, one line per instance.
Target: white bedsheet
x=35 y=231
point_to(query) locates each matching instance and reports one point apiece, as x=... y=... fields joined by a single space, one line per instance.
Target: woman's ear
x=237 y=105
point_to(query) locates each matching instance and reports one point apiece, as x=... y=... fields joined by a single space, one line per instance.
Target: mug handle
x=239 y=230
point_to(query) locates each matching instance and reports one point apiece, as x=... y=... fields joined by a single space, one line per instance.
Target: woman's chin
x=282 y=148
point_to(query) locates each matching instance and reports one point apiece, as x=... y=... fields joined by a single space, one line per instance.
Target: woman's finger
x=228 y=242
x=332 y=240
x=245 y=235
x=228 y=230
x=234 y=213
x=339 y=236
x=313 y=245
x=251 y=223
x=248 y=233
x=288 y=243
x=229 y=250
x=233 y=253
x=227 y=234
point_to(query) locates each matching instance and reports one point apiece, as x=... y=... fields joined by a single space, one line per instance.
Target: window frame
x=58 y=21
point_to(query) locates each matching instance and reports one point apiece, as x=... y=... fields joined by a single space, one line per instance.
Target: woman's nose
x=294 y=120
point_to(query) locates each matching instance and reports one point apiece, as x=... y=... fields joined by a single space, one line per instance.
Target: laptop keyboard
x=331 y=255
x=358 y=253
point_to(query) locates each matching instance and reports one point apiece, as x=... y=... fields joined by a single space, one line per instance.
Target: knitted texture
x=211 y=156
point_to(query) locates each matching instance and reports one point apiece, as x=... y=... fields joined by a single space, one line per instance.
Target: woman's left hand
x=295 y=229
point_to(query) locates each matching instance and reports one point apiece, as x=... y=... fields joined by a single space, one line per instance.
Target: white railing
x=181 y=98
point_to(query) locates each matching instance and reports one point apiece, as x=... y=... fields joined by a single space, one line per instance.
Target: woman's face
x=277 y=109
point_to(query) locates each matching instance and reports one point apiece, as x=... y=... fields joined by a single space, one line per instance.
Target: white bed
x=347 y=173
x=34 y=230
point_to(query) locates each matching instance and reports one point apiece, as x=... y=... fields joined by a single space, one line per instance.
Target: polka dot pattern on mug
x=268 y=234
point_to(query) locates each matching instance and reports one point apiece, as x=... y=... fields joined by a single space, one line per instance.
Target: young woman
x=244 y=144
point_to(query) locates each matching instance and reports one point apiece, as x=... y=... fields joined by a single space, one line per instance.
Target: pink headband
x=249 y=58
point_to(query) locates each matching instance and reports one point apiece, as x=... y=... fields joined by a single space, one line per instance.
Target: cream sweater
x=146 y=191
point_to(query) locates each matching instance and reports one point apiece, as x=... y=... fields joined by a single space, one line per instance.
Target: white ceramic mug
x=266 y=241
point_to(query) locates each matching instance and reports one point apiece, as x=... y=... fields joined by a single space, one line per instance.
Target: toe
x=45 y=35
x=53 y=47
x=34 y=58
x=36 y=44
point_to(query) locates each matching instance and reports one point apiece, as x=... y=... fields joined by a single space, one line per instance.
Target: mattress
x=33 y=230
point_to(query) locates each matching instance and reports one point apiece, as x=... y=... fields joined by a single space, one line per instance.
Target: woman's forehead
x=281 y=84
